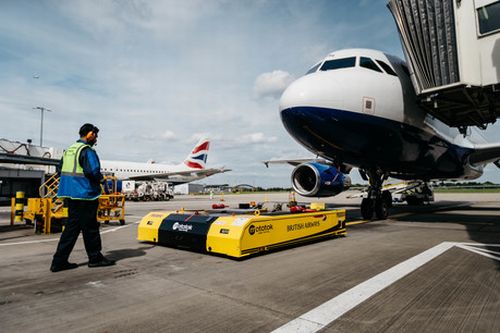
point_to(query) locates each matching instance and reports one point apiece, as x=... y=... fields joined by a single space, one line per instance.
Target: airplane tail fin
x=198 y=157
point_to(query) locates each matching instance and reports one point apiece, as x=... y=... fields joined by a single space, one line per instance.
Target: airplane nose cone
x=296 y=94
x=307 y=104
x=314 y=90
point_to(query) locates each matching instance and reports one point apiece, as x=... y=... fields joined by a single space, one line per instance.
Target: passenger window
x=338 y=63
x=386 y=68
x=368 y=63
x=313 y=68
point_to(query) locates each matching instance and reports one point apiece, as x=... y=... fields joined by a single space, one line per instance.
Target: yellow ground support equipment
x=111 y=208
x=239 y=235
x=111 y=202
x=47 y=212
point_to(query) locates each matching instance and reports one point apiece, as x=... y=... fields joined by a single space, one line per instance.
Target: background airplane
x=193 y=168
x=357 y=107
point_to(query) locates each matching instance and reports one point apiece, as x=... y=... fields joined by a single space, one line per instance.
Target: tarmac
x=430 y=268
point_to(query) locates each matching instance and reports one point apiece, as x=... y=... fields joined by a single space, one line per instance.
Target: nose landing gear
x=377 y=201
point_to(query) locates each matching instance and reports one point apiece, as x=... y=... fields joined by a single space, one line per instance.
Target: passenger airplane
x=357 y=107
x=193 y=168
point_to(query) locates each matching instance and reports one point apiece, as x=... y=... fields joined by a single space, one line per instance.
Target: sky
x=155 y=76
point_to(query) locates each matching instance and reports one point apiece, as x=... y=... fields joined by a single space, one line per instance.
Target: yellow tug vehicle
x=238 y=234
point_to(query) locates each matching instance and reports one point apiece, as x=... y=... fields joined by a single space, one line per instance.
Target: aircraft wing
x=486 y=153
x=202 y=173
x=295 y=162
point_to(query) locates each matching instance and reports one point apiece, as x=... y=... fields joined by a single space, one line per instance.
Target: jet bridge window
x=338 y=63
x=368 y=63
x=386 y=68
x=489 y=18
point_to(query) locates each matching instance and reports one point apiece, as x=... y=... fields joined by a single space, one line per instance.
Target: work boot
x=101 y=262
x=62 y=267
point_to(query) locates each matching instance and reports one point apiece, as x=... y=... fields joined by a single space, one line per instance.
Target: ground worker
x=80 y=185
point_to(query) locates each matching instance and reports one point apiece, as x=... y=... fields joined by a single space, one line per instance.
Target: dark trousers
x=82 y=216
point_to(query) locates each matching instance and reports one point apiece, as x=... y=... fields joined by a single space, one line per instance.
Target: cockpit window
x=386 y=68
x=368 y=63
x=313 y=68
x=338 y=63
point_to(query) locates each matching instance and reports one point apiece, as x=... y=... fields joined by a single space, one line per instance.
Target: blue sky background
x=155 y=76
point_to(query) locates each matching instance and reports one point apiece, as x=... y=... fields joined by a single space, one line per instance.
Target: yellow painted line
x=357 y=222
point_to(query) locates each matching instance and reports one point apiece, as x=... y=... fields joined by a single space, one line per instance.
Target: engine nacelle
x=319 y=180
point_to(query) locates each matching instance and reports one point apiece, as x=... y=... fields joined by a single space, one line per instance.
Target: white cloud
x=164 y=136
x=163 y=18
x=168 y=135
x=195 y=137
x=272 y=84
x=248 y=142
x=258 y=137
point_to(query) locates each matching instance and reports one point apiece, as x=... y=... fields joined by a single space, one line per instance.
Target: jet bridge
x=452 y=48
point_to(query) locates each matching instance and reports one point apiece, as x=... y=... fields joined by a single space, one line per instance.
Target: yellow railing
x=50 y=187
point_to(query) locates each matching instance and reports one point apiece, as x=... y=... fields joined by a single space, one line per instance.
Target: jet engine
x=319 y=180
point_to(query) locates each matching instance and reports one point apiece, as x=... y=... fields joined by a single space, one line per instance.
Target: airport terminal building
x=23 y=167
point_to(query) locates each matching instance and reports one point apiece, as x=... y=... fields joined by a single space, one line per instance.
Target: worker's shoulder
x=88 y=152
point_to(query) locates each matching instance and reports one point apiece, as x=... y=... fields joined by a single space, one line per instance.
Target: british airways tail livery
x=193 y=168
x=357 y=107
x=198 y=157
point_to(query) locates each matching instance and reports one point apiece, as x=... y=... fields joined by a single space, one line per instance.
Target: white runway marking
x=484 y=252
x=321 y=316
x=96 y=284
x=30 y=242
x=56 y=239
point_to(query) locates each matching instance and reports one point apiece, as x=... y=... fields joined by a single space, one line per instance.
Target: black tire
x=387 y=197
x=381 y=209
x=122 y=222
x=414 y=201
x=106 y=222
x=367 y=209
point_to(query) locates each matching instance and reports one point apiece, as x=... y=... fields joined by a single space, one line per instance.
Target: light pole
x=42 y=109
